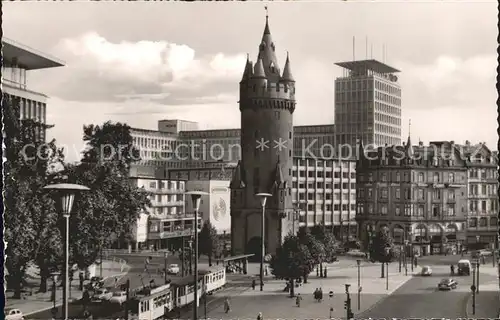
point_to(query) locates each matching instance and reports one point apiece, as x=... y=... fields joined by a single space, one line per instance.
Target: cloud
x=99 y=70
x=449 y=81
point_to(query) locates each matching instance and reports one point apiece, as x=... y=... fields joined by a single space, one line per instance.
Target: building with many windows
x=418 y=192
x=167 y=222
x=482 y=208
x=368 y=104
x=17 y=61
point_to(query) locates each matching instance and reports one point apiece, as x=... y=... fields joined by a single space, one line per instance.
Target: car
x=485 y=253
x=426 y=271
x=447 y=284
x=13 y=314
x=464 y=267
x=118 y=297
x=101 y=295
x=173 y=269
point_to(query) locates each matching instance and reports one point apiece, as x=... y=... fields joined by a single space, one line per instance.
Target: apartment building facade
x=418 y=192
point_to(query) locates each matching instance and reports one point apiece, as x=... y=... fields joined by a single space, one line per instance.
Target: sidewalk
x=487 y=302
x=274 y=303
x=41 y=301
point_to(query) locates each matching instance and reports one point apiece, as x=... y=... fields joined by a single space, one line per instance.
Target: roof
x=371 y=64
x=27 y=58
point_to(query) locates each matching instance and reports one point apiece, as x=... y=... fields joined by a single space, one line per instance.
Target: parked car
x=356 y=253
x=426 y=271
x=173 y=269
x=13 y=314
x=101 y=295
x=485 y=253
x=119 y=297
x=447 y=284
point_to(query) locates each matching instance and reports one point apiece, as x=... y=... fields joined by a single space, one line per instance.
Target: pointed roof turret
x=247 y=74
x=267 y=53
x=258 y=71
x=287 y=72
x=237 y=182
x=409 y=146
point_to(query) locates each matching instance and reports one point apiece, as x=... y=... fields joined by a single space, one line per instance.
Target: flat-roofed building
x=367 y=104
x=17 y=61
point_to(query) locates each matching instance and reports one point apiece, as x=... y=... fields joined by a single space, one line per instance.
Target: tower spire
x=267 y=53
x=287 y=72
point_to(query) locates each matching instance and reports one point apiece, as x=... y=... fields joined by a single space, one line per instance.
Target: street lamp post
x=190 y=243
x=196 y=197
x=165 y=269
x=412 y=254
x=66 y=193
x=358 y=262
x=473 y=288
x=406 y=262
x=477 y=281
x=263 y=199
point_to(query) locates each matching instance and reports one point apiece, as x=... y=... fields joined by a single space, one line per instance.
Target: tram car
x=151 y=303
x=157 y=303
x=214 y=279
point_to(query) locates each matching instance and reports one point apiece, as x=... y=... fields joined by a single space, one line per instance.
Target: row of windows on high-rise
x=382 y=97
x=483 y=206
x=419 y=194
x=30 y=109
x=483 y=222
x=311 y=186
x=434 y=177
x=379 y=85
x=383 y=128
x=318 y=208
x=382 y=139
x=483 y=189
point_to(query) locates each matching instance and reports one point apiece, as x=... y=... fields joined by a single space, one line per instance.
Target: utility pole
x=359 y=283
x=165 y=269
x=477 y=281
x=182 y=257
x=387 y=276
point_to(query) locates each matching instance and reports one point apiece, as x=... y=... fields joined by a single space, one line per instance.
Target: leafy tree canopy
x=327 y=239
x=382 y=248
x=209 y=242
x=316 y=247
x=292 y=260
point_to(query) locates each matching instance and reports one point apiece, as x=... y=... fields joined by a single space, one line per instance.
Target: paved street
x=419 y=298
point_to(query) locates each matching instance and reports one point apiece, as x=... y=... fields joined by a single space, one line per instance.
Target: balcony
x=167 y=191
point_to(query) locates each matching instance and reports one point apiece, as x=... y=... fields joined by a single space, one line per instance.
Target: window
x=384 y=177
x=420 y=210
x=436 y=194
x=494 y=222
x=383 y=193
x=483 y=222
x=370 y=193
x=451 y=210
x=398 y=176
x=420 y=194
x=407 y=194
x=398 y=193
x=451 y=177
x=361 y=193
x=383 y=209
x=397 y=211
x=473 y=223
x=435 y=177
x=435 y=210
x=361 y=208
x=451 y=195
x=483 y=206
x=370 y=177
x=408 y=210
x=420 y=177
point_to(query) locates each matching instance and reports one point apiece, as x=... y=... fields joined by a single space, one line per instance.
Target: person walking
x=253 y=284
x=297 y=300
x=227 y=306
x=259 y=316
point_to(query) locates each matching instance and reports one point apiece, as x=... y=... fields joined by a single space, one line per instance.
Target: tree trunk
x=292 y=287
x=43 y=282
x=305 y=277
x=382 y=275
x=17 y=280
x=210 y=260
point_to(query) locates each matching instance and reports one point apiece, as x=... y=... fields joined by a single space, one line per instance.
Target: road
x=419 y=298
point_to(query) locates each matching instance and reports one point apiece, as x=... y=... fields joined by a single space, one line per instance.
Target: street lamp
x=412 y=254
x=473 y=288
x=165 y=263
x=358 y=262
x=190 y=243
x=406 y=262
x=196 y=197
x=263 y=199
x=66 y=193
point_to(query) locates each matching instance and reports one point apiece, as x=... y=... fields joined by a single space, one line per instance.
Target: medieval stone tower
x=267 y=103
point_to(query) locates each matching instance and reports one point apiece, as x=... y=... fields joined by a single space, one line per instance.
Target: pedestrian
x=259 y=316
x=116 y=282
x=227 y=305
x=253 y=284
x=297 y=300
x=81 y=278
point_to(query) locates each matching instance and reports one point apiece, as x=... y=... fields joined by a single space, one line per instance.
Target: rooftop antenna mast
x=366 y=47
x=267 y=13
x=353 y=48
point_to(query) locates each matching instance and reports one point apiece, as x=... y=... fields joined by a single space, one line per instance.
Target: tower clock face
x=219 y=209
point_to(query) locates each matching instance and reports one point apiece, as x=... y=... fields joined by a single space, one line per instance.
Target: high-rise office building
x=367 y=104
x=18 y=59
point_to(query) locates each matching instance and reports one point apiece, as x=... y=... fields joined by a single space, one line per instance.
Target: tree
x=208 y=241
x=315 y=247
x=112 y=206
x=291 y=261
x=327 y=239
x=29 y=211
x=382 y=248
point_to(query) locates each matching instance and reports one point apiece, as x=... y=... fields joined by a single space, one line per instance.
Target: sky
x=140 y=62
